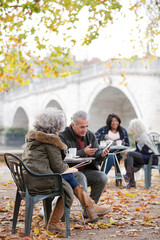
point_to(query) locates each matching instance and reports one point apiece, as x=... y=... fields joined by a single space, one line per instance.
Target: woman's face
x=114 y=124
x=132 y=131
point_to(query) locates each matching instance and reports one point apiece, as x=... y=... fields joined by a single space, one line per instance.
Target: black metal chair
x=155 y=137
x=16 y=165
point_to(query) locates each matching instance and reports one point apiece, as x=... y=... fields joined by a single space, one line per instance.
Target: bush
x=15 y=136
x=131 y=139
x=15 y=131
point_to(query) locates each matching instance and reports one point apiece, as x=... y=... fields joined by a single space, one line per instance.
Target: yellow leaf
x=36 y=230
x=132 y=230
x=102 y=225
x=112 y=220
x=110 y=65
x=79 y=215
x=130 y=195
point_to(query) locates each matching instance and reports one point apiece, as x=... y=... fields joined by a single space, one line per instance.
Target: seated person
x=144 y=148
x=78 y=136
x=113 y=131
x=43 y=154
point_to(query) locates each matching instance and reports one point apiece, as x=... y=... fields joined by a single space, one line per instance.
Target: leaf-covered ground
x=135 y=214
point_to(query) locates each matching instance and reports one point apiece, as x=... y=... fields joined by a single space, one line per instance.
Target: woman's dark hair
x=109 y=120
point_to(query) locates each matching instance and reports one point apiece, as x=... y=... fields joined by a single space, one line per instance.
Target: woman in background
x=113 y=131
x=144 y=148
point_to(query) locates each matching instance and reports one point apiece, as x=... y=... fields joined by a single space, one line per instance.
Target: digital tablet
x=108 y=145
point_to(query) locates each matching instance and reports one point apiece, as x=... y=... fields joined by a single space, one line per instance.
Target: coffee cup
x=103 y=143
x=119 y=142
x=72 y=152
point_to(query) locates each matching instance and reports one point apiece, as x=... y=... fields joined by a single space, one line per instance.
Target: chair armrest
x=151 y=158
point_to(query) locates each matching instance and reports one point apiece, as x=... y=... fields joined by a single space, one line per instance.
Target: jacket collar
x=45 y=138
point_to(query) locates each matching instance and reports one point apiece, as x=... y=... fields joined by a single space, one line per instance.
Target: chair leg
x=28 y=214
x=147 y=173
x=67 y=220
x=16 y=211
x=47 y=205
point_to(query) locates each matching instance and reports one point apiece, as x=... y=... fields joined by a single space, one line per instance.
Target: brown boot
x=56 y=214
x=126 y=178
x=130 y=174
x=93 y=210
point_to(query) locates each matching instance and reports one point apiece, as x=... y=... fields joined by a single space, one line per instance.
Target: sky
x=120 y=39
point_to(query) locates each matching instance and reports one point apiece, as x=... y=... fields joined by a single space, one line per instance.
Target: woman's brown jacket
x=43 y=155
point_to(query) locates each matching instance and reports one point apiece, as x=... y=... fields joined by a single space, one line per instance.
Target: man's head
x=80 y=123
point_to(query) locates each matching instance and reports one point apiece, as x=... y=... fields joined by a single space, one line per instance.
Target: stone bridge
x=97 y=90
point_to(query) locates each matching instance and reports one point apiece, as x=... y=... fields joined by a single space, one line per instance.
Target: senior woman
x=144 y=148
x=112 y=131
x=44 y=153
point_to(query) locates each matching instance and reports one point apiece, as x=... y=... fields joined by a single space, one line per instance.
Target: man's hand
x=104 y=154
x=90 y=151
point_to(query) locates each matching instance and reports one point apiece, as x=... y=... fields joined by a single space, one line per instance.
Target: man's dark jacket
x=69 y=138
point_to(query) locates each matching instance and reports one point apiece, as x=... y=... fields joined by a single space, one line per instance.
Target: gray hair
x=137 y=126
x=79 y=114
x=51 y=120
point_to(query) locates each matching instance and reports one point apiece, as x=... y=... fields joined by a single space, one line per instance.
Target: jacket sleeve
x=101 y=134
x=126 y=138
x=55 y=159
x=95 y=144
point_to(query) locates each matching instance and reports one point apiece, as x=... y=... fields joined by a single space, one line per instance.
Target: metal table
x=114 y=150
x=79 y=162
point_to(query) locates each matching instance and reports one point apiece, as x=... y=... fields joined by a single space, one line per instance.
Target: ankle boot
x=56 y=215
x=93 y=210
x=126 y=178
x=130 y=174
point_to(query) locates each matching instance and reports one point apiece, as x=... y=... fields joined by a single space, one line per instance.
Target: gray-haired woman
x=44 y=153
x=144 y=148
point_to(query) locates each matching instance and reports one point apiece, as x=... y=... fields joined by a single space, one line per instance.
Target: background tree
x=29 y=30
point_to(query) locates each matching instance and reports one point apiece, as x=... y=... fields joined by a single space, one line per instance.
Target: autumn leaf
x=137 y=208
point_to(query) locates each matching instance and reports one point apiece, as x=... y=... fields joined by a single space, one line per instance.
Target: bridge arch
x=55 y=101
x=20 y=119
x=111 y=99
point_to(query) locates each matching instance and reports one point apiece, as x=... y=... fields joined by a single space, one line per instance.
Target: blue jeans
x=70 y=178
x=110 y=163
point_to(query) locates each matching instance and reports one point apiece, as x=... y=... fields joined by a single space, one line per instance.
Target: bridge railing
x=88 y=72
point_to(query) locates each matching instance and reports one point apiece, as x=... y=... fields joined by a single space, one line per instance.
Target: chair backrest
x=155 y=137
x=158 y=146
x=16 y=166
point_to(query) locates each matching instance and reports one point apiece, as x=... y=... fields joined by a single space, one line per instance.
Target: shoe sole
x=98 y=215
x=56 y=231
x=102 y=214
x=92 y=220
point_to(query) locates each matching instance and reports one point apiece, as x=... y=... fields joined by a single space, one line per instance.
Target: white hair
x=80 y=114
x=137 y=126
x=51 y=120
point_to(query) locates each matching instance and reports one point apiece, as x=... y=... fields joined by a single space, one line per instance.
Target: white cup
x=119 y=142
x=103 y=143
x=72 y=152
